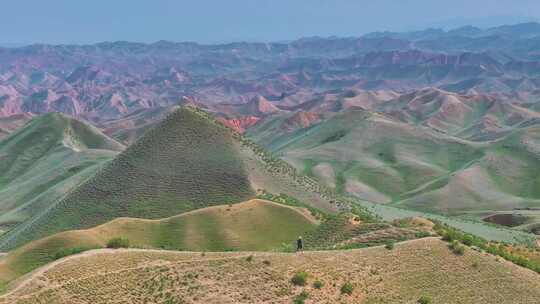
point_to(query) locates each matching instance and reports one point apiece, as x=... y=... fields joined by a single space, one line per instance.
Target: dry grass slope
x=252 y=225
x=420 y=267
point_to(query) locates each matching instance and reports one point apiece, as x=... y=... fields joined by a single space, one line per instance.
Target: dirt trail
x=26 y=279
x=426 y=266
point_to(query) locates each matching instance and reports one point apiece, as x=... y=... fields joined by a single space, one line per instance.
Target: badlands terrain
x=184 y=173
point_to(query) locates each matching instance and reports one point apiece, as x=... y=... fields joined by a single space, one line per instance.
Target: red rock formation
x=240 y=124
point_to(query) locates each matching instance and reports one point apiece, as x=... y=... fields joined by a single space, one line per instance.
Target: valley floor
x=423 y=267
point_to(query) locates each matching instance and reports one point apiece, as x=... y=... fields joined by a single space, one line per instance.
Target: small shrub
x=301 y=298
x=467 y=240
x=347 y=288
x=318 y=284
x=300 y=278
x=389 y=245
x=475 y=265
x=249 y=258
x=64 y=252
x=266 y=262
x=424 y=300
x=422 y=234
x=457 y=248
x=118 y=243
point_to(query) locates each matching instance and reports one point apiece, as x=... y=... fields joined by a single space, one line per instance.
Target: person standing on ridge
x=299 y=244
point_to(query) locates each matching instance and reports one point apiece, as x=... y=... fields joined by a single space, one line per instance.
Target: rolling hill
x=413 y=269
x=186 y=162
x=381 y=158
x=43 y=160
x=252 y=225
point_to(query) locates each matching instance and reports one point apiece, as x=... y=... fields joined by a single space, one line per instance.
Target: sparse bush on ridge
x=116 y=243
x=301 y=298
x=389 y=245
x=422 y=234
x=64 y=252
x=457 y=248
x=318 y=284
x=347 y=288
x=454 y=236
x=331 y=230
x=424 y=300
x=300 y=278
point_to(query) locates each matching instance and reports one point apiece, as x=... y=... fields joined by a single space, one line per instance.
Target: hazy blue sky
x=86 y=21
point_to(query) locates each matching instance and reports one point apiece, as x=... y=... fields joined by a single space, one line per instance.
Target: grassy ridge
x=253 y=225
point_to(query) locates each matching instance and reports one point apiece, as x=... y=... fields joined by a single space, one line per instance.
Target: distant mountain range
x=109 y=80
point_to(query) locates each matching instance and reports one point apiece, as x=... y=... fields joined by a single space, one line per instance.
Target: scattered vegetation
x=424 y=300
x=318 y=284
x=455 y=237
x=285 y=199
x=281 y=224
x=131 y=277
x=300 y=278
x=389 y=245
x=456 y=248
x=116 y=243
x=64 y=252
x=333 y=228
x=347 y=288
x=301 y=298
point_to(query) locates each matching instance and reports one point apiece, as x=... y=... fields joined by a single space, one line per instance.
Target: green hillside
x=380 y=159
x=41 y=161
x=186 y=162
x=252 y=225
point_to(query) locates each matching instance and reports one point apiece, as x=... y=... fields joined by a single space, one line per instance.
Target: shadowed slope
x=40 y=162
